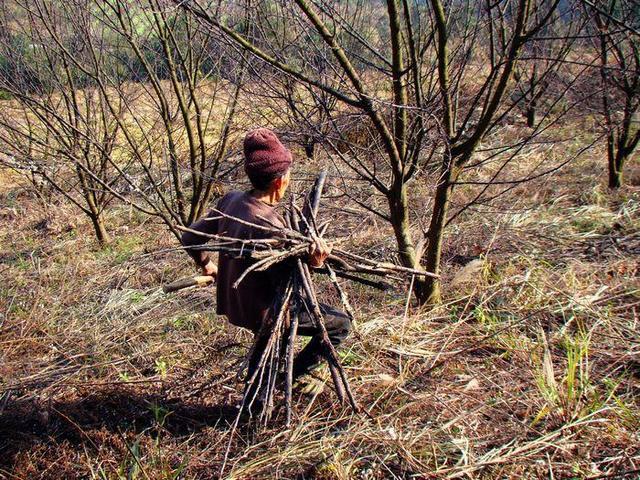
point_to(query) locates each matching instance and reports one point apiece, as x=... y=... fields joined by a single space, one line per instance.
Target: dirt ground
x=529 y=369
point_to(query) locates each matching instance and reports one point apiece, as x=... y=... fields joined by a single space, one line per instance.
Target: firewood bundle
x=272 y=354
x=275 y=359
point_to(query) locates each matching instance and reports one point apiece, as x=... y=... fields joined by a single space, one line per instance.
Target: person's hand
x=210 y=269
x=318 y=252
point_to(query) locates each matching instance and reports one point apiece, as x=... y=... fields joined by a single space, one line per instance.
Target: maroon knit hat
x=264 y=155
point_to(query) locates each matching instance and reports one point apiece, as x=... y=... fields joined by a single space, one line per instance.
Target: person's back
x=247 y=305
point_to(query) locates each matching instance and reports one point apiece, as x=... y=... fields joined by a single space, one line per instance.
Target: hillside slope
x=530 y=369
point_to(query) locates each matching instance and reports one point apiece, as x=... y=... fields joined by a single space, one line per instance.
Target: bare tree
x=57 y=127
x=541 y=67
x=303 y=113
x=409 y=78
x=619 y=53
x=179 y=143
x=135 y=96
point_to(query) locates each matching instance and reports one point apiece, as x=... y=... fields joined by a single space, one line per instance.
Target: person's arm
x=208 y=225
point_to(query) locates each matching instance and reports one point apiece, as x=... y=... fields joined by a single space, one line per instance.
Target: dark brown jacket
x=248 y=305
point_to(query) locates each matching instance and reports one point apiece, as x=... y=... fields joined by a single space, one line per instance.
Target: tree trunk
x=615 y=161
x=100 y=230
x=430 y=291
x=399 y=210
x=531 y=114
x=533 y=104
x=615 y=171
x=615 y=179
x=92 y=210
x=310 y=148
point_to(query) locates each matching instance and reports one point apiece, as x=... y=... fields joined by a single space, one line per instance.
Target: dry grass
x=530 y=369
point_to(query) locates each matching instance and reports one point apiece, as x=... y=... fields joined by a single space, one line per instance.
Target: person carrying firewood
x=267 y=163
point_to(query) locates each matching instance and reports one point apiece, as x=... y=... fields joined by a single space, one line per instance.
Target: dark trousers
x=338 y=327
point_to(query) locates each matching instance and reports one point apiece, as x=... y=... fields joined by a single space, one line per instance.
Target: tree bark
x=616 y=162
x=531 y=114
x=100 y=230
x=399 y=210
x=309 y=148
x=92 y=210
x=429 y=292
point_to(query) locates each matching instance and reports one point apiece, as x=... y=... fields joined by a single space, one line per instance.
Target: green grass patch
x=120 y=250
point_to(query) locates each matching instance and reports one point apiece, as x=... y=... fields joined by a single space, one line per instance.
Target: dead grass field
x=530 y=368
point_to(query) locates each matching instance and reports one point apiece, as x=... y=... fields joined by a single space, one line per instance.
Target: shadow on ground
x=27 y=424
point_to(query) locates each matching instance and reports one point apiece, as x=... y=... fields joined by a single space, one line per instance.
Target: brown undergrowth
x=530 y=368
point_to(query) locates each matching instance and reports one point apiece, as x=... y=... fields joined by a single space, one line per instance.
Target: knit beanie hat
x=264 y=155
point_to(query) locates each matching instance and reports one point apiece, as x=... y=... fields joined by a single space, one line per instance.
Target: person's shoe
x=312 y=383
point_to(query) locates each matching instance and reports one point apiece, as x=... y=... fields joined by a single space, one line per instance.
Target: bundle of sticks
x=272 y=354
